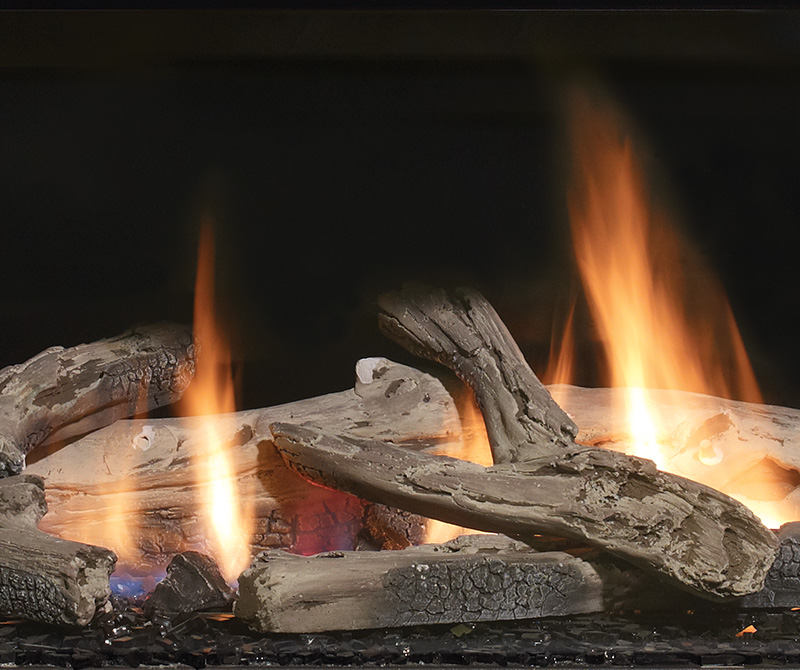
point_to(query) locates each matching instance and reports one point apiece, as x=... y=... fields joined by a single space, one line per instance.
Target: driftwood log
x=747 y=450
x=61 y=392
x=473 y=578
x=147 y=479
x=45 y=578
x=543 y=483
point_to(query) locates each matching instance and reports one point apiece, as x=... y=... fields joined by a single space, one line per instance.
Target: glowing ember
x=228 y=523
x=747 y=631
x=633 y=266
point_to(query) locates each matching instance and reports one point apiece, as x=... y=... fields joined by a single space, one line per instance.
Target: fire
x=473 y=446
x=228 y=521
x=635 y=267
x=113 y=523
x=562 y=356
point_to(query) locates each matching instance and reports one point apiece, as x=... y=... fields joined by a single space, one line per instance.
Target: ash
x=127 y=637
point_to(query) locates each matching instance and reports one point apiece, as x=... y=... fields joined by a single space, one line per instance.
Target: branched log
x=685 y=532
x=66 y=392
x=463 y=332
x=146 y=476
x=465 y=580
x=545 y=483
x=45 y=578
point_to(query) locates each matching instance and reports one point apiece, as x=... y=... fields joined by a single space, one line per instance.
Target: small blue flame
x=130 y=586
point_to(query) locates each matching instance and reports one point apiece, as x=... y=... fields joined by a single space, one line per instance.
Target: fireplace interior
x=338 y=156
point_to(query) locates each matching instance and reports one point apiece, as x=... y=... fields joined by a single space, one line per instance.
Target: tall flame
x=631 y=264
x=228 y=525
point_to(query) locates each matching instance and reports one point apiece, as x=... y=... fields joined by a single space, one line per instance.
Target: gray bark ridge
x=149 y=467
x=684 y=532
x=469 y=579
x=711 y=543
x=462 y=331
x=45 y=578
x=65 y=392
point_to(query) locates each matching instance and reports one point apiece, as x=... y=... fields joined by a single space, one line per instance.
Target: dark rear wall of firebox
x=341 y=154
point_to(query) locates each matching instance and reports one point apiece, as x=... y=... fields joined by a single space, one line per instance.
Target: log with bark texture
x=543 y=482
x=148 y=477
x=782 y=587
x=672 y=527
x=747 y=450
x=45 y=578
x=473 y=578
x=61 y=392
x=463 y=332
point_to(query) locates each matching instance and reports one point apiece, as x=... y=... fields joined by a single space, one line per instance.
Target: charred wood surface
x=45 y=578
x=782 y=586
x=193 y=584
x=391 y=528
x=66 y=392
x=469 y=579
x=146 y=473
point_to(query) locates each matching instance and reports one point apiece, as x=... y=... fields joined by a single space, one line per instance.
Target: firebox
x=376 y=221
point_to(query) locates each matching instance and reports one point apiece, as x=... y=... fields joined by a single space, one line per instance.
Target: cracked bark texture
x=45 y=578
x=61 y=392
x=685 y=532
x=469 y=579
x=782 y=586
x=681 y=531
x=147 y=467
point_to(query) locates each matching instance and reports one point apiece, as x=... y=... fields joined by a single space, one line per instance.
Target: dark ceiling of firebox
x=341 y=153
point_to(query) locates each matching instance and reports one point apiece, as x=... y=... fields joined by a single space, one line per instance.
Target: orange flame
x=114 y=518
x=228 y=522
x=473 y=446
x=631 y=263
x=562 y=356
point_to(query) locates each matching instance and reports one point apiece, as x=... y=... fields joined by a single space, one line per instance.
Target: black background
x=343 y=153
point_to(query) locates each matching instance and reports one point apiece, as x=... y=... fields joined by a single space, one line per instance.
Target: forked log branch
x=683 y=531
x=463 y=332
x=45 y=578
x=150 y=475
x=473 y=578
x=544 y=483
x=61 y=392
